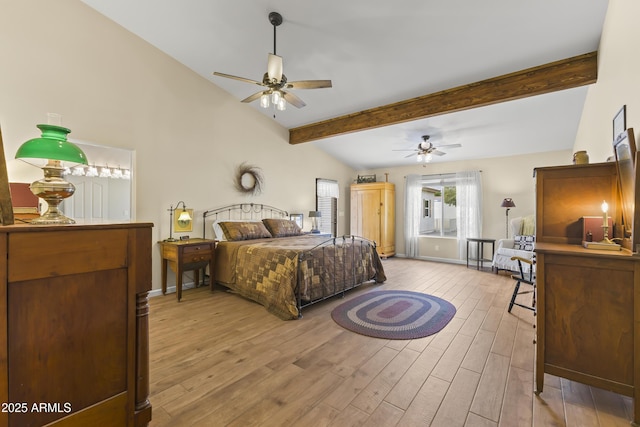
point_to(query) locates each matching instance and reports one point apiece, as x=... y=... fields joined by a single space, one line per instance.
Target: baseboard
x=171 y=289
x=434 y=259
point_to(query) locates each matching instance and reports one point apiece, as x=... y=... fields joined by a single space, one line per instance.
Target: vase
x=580 y=158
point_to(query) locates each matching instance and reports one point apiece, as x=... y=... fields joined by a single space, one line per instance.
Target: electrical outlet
x=437 y=248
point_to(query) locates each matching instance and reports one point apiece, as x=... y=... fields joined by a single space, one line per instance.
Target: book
x=601 y=246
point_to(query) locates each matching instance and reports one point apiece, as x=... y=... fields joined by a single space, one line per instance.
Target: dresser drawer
x=60 y=253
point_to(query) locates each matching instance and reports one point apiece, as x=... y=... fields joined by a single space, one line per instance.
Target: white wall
x=114 y=89
x=501 y=177
x=618 y=81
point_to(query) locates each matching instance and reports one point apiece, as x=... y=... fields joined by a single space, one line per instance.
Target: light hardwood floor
x=217 y=360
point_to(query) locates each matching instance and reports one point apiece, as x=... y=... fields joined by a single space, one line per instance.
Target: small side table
x=185 y=255
x=480 y=260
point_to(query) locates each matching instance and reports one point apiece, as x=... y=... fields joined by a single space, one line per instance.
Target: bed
x=263 y=256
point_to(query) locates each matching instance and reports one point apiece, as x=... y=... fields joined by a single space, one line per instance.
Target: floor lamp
x=508 y=203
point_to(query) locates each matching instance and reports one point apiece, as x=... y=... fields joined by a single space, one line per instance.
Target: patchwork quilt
x=274 y=272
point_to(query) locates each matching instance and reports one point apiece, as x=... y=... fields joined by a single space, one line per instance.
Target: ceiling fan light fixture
x=282 y=104
x=427 y=158
x=275 y=97
x=419 y=158
x=264 y=100
x=275 y=81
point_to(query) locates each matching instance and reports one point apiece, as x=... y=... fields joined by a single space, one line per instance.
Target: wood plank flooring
x=219 y=360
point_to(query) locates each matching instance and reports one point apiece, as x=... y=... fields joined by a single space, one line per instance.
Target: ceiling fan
x=426 y=150
x=275 y=81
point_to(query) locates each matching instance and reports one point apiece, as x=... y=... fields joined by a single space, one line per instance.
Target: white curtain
x=412 y=212
x=327 y=188
x=469 y=208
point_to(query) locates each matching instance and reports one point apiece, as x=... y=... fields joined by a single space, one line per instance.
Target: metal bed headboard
x=248 y=211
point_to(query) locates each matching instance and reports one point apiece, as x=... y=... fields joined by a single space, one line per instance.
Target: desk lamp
x=184 y=217
x=49 y=152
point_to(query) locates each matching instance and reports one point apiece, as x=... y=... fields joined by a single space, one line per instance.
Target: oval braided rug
x=395 y=315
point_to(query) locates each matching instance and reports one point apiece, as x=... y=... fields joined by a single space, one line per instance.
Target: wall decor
x=298 y=218
x=619 y=123
x=249 y=179
x=366 y=178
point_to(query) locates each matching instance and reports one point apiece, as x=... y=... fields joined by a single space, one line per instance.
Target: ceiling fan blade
x=449 y=146
x=242 y=79
x=415 y=151
x=274 y=67
x=309 y=84
x=293 y=99
x=438 y=153
x=410 y=155
x=253 y=97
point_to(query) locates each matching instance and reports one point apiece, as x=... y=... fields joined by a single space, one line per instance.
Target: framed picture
x=619 y=123
x=298 y=218
x=625 y=152
x=182 y=226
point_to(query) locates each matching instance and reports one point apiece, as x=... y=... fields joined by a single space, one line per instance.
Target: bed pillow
x=217 y=230
x=245 y=230
x=524 y=243
x=282 y=227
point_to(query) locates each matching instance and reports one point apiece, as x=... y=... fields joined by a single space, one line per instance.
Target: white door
x=90 y=201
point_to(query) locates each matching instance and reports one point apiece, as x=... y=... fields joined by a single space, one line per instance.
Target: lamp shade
x=508 y=203
x=51 y=145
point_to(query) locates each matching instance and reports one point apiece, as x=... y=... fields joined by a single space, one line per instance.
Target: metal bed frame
x=248 y=211
x=333 y=246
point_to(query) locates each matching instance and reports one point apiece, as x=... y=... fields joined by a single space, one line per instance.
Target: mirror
x=625 y=152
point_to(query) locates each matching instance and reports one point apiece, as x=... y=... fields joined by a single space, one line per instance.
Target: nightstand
x=186 y=255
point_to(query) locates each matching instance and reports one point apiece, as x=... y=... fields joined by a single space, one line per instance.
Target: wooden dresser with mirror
x=588 y=300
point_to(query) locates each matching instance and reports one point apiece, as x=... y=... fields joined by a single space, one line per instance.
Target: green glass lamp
x=52 y=148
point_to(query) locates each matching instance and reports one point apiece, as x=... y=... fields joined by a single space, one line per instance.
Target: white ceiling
x=376 y=54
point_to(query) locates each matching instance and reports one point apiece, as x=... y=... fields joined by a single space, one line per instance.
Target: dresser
x=75 y=319
x=588 y=300
x=373 y=215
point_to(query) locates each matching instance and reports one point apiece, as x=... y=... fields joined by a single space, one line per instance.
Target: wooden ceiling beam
x=559 y=75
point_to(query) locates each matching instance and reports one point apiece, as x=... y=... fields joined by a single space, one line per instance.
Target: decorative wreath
x=249 y=179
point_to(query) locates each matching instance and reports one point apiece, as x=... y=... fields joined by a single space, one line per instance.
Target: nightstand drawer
x=199 y=248
x=196 y=257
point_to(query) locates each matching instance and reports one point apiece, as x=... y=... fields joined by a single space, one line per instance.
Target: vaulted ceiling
x=381 y=54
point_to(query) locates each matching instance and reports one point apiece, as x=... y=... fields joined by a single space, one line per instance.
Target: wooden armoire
x=373 y=215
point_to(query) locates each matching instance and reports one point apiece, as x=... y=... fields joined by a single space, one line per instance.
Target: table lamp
x=314 y=215
x=49 y=152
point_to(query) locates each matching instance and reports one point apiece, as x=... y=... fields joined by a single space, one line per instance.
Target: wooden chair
x=525 y=275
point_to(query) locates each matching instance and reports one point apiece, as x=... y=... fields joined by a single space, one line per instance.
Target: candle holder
x=605 y=233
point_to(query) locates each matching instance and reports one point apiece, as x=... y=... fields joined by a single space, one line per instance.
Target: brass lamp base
x=53 y=189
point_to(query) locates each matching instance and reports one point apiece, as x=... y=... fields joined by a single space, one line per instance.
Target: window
x=327 y=193
x=439 y=205
x=445 y=205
